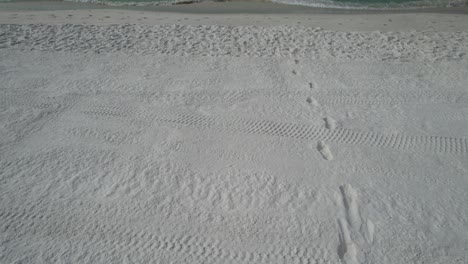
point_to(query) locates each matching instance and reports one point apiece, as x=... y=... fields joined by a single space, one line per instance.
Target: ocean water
x=342 y=4
x=375 y=4
x=129 y=2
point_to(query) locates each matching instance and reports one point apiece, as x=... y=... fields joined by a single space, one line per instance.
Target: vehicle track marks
x=113 y=137
x=40 y=101
x=146 y=242
x=419 y=143
x=386 y=98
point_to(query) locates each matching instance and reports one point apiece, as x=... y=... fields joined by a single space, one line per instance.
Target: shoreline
x=227 y=7
x=228 y=14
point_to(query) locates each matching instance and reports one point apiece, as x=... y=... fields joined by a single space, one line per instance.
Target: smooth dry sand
x=158 y=137
x=236 y=14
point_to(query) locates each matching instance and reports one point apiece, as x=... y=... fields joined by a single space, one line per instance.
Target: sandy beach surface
x=170 y=136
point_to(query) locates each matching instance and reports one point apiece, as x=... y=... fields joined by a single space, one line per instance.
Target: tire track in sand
x=109 y=136
x=418 y=143
x=41 y=102
x=120 y=239
x=381 y=97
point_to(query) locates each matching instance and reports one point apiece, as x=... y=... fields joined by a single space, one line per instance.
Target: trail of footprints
x=401 y=142
x=330 y=123
x=356 y=234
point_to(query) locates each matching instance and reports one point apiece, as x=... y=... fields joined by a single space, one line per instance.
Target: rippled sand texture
x=247 y=41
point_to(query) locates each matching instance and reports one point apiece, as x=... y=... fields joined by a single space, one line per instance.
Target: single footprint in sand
x=310 y=100
x=294 y=72
x=330 y=123
x=347 y=249
x=324 y=150
x=356 y=233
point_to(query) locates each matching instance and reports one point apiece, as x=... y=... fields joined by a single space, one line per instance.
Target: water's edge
x=336 y=4
x=217 y=7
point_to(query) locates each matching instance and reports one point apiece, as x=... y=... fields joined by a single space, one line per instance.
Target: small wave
x=375 y=4
x=133 y=2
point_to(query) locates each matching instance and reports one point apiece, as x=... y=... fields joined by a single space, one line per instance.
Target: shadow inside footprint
x=341 y=250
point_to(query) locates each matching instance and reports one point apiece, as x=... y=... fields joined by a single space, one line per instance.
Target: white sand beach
x=131 y=136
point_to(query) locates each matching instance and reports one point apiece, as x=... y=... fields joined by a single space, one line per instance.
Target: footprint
x=350 y=203
x=369 y=231
x=347 y=249
x=296 y=62
x=312 y=101
x=311 y=85
x=330 y=123
x=294 y=72
x=324 y=150
x=355 y=234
